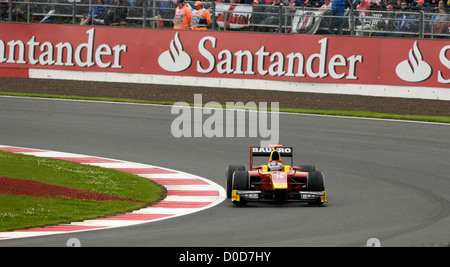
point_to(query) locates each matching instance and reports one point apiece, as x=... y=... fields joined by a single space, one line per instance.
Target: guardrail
x=283 y=19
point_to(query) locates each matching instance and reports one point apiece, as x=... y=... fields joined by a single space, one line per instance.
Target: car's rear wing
x=267 y=151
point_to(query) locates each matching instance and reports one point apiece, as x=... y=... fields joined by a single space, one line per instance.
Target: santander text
x=317 y=65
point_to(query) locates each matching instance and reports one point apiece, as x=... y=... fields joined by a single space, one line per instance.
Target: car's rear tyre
x=308 y=168
x=229 y=175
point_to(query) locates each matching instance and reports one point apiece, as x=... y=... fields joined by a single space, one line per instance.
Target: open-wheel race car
x=275 y=181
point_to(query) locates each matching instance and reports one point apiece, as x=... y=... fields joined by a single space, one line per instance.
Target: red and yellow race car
x=275 y=181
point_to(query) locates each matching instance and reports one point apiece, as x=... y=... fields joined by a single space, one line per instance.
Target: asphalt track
x=385 y=179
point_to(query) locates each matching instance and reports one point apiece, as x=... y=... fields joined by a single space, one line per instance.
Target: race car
x=275 y=181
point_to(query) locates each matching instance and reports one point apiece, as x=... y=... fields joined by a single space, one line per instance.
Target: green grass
x=368 y=114
x=18 y=212
x=364 y=114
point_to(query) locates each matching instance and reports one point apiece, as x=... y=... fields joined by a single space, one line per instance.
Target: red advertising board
x=230 y=55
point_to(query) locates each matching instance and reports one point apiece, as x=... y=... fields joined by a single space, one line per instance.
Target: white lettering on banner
x=48 y=56
x=210 y=57
x=223 y=64
x=446 y=62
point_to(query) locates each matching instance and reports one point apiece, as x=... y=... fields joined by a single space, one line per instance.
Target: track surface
x=385 y=179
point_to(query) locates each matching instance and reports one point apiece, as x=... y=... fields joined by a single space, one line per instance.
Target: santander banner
x=227 y=55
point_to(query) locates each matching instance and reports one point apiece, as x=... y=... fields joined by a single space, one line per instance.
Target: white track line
x=187 y=194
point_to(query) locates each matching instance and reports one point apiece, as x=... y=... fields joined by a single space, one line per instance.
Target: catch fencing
x=232 y=17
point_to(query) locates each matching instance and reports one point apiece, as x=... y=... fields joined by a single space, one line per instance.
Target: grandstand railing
x=233 y=17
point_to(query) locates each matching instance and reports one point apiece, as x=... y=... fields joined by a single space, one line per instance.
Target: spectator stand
x=417 y=20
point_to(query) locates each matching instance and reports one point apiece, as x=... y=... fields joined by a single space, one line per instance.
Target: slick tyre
x=316 y=182
x=229 y=176
x=241 y=181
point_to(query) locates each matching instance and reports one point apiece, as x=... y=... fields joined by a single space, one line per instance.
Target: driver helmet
x=275 y=166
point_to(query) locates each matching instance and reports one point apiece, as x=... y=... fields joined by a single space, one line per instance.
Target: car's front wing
x=257 y=195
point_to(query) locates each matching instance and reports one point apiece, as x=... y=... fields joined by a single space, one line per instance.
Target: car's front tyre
x=229 y=175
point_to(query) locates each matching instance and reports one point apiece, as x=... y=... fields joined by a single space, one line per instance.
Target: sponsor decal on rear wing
x=266 y=151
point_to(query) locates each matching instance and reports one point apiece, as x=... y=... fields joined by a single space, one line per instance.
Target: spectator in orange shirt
x=183 y=16
x=201 y=18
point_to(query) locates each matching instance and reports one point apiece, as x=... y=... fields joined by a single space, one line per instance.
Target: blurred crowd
x=162 y=13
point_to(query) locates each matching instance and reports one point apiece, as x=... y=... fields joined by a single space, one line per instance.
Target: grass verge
x=19 y=212
x=363 y=114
